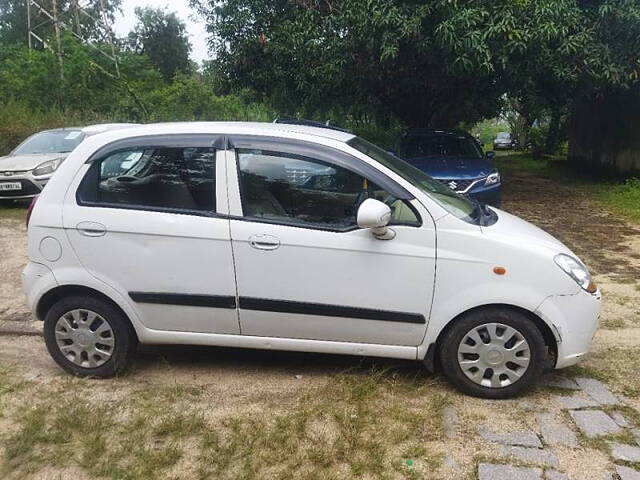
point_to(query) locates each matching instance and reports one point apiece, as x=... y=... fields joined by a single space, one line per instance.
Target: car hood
x=515 y=230
x=27 y=162
x=453 y=167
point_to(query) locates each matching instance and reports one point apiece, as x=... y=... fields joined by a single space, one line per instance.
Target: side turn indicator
x=499 y=270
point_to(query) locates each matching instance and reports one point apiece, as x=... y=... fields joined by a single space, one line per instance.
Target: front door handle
x=91 y=229
x=264 y=242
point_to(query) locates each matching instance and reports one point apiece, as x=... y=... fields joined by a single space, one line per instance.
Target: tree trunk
x=520 y=128
x=553 y=135
x=603 y=134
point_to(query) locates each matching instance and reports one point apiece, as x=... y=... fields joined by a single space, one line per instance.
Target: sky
x=195 y=27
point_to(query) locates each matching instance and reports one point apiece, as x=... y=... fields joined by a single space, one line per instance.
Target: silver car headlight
x=47 y=167
x=576 y=270
x=492 y=179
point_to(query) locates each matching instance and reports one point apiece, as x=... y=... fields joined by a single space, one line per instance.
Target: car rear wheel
x=89 y=337
x=493 y=353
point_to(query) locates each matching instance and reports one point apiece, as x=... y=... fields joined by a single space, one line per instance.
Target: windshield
x=504 y=136
x=440 y=145
x=455 y=204
x=62 y=141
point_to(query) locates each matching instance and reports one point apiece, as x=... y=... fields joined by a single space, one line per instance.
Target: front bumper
x=476 y=189
x=502 y=146
x=30 y=186
x=574 y=320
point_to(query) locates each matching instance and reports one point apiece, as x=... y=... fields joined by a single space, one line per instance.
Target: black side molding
x=279 y=306
x=216 y=301
x=285 y=306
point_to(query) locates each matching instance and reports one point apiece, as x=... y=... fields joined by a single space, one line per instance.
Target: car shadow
x=229 y=360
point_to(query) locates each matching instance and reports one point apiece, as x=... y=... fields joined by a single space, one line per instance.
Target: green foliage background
x=376 y=67
x=38 y=100
x=157 y=81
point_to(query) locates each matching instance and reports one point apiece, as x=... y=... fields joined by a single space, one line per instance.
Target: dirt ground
x=13 y=252
x=608 y=245
x=343 y=417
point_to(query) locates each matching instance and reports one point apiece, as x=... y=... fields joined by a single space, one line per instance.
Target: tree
x=162 y=37
x=26 y=78
x=548 y=53
x=316 y=56
x=13 y=20
x=429 y=63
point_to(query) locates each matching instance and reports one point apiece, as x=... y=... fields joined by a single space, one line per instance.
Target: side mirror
x=375 y=215
x=491 y=155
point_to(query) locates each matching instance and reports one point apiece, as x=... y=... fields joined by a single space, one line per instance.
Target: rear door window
x=156 y=178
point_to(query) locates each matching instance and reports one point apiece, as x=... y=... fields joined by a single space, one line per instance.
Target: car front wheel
x=89 y=337
x=493 y=353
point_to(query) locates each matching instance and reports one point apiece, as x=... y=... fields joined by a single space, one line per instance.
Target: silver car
x=28 y=168
x=504 y=141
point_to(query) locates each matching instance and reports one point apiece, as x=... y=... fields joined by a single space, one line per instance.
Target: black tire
x=448 y=351
x=125 y=338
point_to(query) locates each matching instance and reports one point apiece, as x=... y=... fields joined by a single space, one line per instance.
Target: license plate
x=10 y=186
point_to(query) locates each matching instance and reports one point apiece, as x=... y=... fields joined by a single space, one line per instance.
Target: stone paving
x=626 y=473
x=595 y=423
x=529 y=455
x=554 y=432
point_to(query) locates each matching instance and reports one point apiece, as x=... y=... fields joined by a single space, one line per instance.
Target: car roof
x=61 y=129
x=246 y=128
x=93 y=129
x=431 y=131
x=106 y=127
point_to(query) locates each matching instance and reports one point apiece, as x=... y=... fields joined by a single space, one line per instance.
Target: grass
x=616 y=366
x=624 y=199
x=613 y=323
x=9 y=385
x=602 y=443
x=371 y=424
x=14 y=209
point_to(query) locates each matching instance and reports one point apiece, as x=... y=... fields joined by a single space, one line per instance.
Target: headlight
x=492 y=179
x=577 y=271
x=47 y=167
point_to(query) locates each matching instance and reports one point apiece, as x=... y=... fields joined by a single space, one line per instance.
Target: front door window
x=301 y=191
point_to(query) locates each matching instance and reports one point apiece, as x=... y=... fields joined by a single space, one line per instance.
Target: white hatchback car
x=289 y=237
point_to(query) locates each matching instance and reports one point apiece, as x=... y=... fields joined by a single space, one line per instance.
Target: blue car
x=456 y=159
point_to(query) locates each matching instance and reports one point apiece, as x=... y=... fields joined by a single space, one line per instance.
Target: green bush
x=489 y=129
x=18 y=121
x=538 y=139
x=190 y=98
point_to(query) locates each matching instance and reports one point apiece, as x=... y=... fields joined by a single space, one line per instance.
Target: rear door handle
x=264 y=242
x=91 y=229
